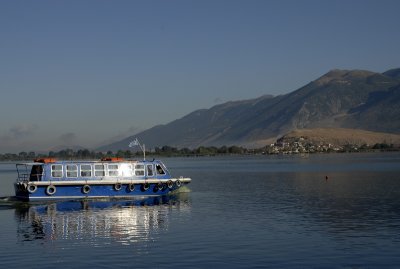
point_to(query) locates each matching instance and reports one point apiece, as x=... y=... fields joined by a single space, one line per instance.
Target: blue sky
x=89 y=72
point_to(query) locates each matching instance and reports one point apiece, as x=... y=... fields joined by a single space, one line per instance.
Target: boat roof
x=30 y=164
x=53 y=161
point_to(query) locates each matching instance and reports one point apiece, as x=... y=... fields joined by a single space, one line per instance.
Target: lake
x=316 y=211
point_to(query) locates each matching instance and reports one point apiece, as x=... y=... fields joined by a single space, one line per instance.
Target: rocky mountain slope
x=353 y=99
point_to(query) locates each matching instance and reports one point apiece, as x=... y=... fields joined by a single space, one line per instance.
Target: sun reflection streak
x=125 y=222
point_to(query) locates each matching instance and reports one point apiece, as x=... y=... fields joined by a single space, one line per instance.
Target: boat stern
x=21 y=190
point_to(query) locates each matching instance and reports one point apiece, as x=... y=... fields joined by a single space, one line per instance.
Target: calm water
x=241 y=212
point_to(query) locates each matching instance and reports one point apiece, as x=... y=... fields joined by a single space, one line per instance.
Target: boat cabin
x=110 y=168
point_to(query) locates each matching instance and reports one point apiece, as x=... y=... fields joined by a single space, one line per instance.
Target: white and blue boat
x=50 y=179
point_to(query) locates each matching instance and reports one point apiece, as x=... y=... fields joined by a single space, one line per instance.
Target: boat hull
x=61 y=190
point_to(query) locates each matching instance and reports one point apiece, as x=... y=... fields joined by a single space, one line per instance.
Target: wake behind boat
x=48 y=178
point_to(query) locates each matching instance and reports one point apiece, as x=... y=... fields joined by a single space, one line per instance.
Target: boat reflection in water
x=124 y=221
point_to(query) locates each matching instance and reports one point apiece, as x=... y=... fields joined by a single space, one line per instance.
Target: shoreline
x=12 y=157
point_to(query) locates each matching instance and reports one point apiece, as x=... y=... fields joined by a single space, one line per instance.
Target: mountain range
x=354 y=99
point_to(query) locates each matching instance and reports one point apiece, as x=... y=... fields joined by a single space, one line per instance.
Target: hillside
x=342 y=136
x=353 y=99
x=394 y=73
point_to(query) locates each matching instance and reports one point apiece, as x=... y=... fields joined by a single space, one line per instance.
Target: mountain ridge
x=357 y=99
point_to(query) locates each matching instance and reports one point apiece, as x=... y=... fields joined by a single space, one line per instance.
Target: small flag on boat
x=142 y=147
x=134 y=143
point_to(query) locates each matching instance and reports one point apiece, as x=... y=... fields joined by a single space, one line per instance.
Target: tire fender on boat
x=160 y=186
x=51 y=189
x=86 y=189
x=145 y=186
x=117 y=186
x=32 y=188
x=178 y=183
x=131 y=187
x=170 y=184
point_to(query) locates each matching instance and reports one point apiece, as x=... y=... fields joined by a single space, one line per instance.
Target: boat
x=52 y=179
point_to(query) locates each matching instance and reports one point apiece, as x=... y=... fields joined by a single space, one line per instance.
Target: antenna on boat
x=142 y=147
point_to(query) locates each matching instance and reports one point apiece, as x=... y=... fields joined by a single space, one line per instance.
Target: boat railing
x=25 y=175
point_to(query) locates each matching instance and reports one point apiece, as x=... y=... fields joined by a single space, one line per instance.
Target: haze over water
x=241 y=212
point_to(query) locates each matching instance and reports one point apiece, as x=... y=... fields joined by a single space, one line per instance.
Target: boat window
x=72 y=170
x=99 y=170
x=150 y=170
x=86 y=170
x=139 y=170
x=113 y=170
x=126 y=170
x=160 y=170
x=56 y=170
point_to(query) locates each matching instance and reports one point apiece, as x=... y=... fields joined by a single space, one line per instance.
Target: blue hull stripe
x=96 y=191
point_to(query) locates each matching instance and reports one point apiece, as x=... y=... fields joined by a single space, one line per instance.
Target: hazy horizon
x=89 y=73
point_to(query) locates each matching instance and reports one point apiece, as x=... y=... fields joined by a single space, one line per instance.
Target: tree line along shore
x=280 y=147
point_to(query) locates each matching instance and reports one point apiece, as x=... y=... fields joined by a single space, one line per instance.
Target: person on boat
x=36 y=174
x=160 y=171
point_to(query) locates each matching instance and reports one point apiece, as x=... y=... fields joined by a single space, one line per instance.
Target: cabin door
x=36 y=173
